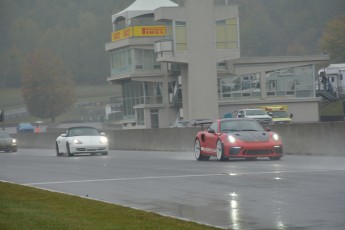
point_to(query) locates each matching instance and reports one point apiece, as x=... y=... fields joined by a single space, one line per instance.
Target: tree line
x=77 y=30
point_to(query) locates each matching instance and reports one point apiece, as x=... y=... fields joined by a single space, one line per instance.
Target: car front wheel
x=57 y=149
x=68 y=150
x=220 y=151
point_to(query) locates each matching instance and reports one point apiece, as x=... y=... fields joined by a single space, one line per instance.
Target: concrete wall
x=326 y=138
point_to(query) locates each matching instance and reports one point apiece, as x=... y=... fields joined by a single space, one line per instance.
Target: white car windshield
x=83 y=131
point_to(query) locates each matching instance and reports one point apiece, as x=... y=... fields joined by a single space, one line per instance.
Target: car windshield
x=83 y=132
x=255 y=112
x=240 y=125
x=25 y=125
x=279 y=114
x=4 y=135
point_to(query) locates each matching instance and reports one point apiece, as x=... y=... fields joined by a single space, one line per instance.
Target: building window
x=153 y=93
x=136 y=93
x=121 y=61
x=291 y=82
x=154 y=118
x=181 y=36
x=226 y=34
x=145 y=60
x=143 y=20
x=132 y=94
x=119 y=24
x=169 y=29
x=239 y=87
x=140 y=117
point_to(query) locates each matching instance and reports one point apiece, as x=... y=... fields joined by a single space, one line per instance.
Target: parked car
x=258 y=114
x=7 y=142
x=80 y=140
x=237 y=138
x=25 y=127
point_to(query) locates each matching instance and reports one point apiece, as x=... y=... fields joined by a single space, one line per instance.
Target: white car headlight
x=275 y=137
x=103 y=140
x=231 y=139
x=14 y=141
x=76 y=141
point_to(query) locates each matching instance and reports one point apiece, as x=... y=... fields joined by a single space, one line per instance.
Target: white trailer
x=332 y=79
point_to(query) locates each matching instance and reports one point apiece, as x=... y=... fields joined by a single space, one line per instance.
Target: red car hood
x=252 y=136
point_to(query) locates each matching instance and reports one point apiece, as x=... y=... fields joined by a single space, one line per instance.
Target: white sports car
x=80 y=140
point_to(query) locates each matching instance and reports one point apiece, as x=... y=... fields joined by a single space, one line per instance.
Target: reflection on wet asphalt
x=298 y=192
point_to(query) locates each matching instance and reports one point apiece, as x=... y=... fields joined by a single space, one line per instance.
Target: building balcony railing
x=163 y=46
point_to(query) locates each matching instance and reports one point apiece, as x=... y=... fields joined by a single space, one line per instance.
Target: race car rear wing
x=201 y=122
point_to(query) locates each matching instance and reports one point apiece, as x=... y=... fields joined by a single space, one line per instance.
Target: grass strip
x=23 y=207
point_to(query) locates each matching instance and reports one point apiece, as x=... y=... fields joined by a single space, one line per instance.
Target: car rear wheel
x=220 y=151
x=198 y=153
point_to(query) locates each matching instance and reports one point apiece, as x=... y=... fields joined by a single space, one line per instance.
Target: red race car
x=237 y=138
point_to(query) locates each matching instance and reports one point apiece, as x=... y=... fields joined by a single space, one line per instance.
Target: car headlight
x=14 y=141
x=103 y=140
x=231 y=139
x=275 y=137
x=76 y=141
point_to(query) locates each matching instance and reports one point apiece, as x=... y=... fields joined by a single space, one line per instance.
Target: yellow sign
x=122 y=34
x=138 y=31
x=142 y=31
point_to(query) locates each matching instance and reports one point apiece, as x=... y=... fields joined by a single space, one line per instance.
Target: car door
x=211 y=138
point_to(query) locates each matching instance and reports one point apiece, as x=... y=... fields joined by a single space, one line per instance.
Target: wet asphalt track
x=298 y=192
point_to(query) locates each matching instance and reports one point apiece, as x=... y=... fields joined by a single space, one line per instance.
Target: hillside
x=11 y=99
x=78 y=30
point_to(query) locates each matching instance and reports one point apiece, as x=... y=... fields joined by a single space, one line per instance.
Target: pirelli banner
x=138 y=31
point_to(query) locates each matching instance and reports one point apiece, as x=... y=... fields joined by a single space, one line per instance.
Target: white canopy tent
x=142 y=7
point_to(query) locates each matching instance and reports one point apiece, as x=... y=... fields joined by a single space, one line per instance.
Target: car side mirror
x=291 y=115
x=63 y=135
x=102 y=134
x=211 y=131
x=268 y=129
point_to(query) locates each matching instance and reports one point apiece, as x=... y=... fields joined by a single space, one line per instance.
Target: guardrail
x=323 y=138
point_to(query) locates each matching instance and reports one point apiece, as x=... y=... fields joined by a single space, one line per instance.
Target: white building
x=182 y=61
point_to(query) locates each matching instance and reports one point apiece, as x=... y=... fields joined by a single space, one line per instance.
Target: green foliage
x=332 y=109
x=78 y=31
x=30 y=208
x=284 y=27
x=47 y=87
x=333 y=39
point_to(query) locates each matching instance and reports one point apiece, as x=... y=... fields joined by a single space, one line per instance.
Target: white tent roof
x=141 y=7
